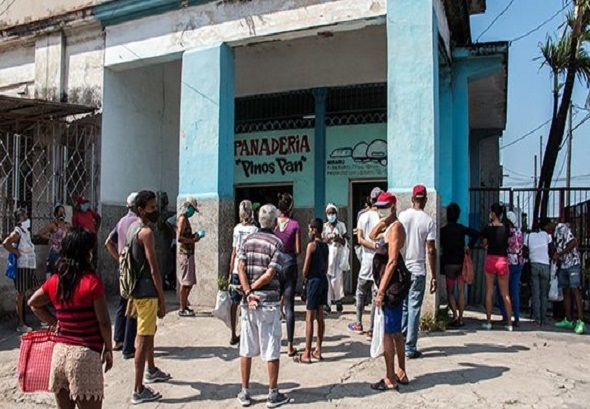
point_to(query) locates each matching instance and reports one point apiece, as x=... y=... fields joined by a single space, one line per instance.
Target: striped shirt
x=260 y=251
x=78 y=324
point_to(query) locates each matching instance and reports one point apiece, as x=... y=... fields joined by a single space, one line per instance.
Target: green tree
x=567 y=59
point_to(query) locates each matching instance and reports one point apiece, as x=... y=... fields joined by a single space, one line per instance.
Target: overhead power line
x=494 y=20
x=526 y=135
x=537 y=28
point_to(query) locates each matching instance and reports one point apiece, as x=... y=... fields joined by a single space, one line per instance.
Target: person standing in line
x=495 y=241
x=186 y=240
x=54 y=232
x=242 y=230
x=259 y=263
x=85 y=217
x=452 y=242
x=515 y=264
x=316 y=287
x=83 y=341
x=334 y=235
x=365 y=286
x=570 y=276
x=148 y=302
x=125 y=327
x=289 y=232
x=391 y=233
x=420 y=235
x=539 y=244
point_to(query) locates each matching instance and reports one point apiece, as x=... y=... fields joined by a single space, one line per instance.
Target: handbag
x=400 y=282
x=11 y=266
x=34 y=362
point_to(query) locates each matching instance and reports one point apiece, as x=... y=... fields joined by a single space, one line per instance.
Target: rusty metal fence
x=46 y=163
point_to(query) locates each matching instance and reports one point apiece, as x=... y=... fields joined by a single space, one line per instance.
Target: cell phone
x=201 y=233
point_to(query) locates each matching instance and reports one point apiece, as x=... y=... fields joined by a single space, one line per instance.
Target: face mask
x=190 y=212
x=84 y=207
x=61 y=217
x=153 y=216
x=331 y=218
x=383 y=213
x=26 y=224
x=311 y=236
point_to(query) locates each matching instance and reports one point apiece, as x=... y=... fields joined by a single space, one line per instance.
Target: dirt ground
x=462 y=368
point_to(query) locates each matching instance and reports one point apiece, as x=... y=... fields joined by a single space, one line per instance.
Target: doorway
x=359 y=195
x=262 y=194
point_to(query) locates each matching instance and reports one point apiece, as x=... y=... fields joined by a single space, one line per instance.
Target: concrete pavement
x=461 y=368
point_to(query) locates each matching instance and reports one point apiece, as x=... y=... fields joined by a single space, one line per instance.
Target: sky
x=529 y=89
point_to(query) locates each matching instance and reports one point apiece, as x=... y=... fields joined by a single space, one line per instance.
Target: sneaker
x=355 y=327
x=565 y=324
x=118 y=346
x=369 y=335
x=339 y=307
x=23 y=329
x=244 y=398
x=580 y=327
x=186 y=313
x=487 y=326
x=414 y=355
x=147 y=395
x=328 y=309
x=128 y=355
x=156 y=376
x=277 y=399
x=508 y=328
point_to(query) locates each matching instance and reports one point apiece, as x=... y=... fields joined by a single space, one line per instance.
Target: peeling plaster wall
x=140 y=131
x=26 y=11
x=17 y=71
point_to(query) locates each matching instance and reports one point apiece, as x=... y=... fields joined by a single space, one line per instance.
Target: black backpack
x=400 y=283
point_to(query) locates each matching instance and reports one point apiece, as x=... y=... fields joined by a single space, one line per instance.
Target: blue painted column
x=412 y=87
x=320 y=152
x=206 y=160
x=460 y=140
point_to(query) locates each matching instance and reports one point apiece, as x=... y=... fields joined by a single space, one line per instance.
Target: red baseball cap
x=419 y=191
x=386 y=199
x=82 y=200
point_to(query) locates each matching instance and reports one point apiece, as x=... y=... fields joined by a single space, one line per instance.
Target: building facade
x=233 y=99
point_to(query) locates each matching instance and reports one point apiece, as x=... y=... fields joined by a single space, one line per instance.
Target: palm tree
x=567 y=59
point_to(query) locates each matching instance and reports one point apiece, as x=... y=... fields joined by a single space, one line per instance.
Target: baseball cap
x=375 y=193
x=82 y=200
x=386 y=199
x=419 y=191
x=131 y=199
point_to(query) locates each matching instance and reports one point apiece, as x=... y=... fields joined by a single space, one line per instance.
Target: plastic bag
x=11 y=265
x=468 y=273
x=555 y=293
x=378 y=333
x=344 y=258
x=358 y=250
x=223 y=308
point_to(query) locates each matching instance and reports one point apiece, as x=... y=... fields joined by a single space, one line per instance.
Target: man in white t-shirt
x=366 y=222
x=420 y=236
x=538 y=243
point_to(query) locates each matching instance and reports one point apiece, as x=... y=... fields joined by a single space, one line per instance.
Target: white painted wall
x=25 y=11
x=17 y=70
x=346 y=58
x=140 y=131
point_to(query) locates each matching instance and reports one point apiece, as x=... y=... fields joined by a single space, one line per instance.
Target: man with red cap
x=420 y=236
x=85 y=217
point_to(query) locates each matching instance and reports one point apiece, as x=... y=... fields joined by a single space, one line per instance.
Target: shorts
x=77 y=370
x=316 y=291
x=261 y=332
x=25 y=280
x=186 y=262
x=393 y=318
x=235 y=295
x=147 y=315
x=570 y=277
x=453 y=272
x=52 y=261
x=497 y=265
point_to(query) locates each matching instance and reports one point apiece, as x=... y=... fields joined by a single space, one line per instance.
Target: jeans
x=289 y=287
x=540 y=277
x=412 y=308
x=364 y=289
x=514 y=291
x=125 y=328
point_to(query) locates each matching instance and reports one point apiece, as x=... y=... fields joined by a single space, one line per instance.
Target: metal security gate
x=46 y=163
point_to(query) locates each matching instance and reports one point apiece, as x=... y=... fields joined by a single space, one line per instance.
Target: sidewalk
x=460 y=369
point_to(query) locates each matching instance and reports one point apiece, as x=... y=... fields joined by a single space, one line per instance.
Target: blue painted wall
x=412 y=83
x=207 y=123
x=445 y=164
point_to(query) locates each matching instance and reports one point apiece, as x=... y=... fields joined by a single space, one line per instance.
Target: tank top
x=26 y=248
x=319 y=261
x=56 y=237
x=145 y=287
x=187 y=232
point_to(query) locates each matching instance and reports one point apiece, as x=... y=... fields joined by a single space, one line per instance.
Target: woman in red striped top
x=83 y=326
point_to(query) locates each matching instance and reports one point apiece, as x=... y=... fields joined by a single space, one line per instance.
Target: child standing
x=316 y=286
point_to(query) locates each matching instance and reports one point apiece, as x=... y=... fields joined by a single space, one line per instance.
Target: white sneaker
x=508 y=328
x=487 y=326
x=24 y=329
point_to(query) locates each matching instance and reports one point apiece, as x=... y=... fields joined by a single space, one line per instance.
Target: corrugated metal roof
x=14 y=109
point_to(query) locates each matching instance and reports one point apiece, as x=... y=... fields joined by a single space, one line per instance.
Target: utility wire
x=537 y=28
x=494 y=20
x=526 y=134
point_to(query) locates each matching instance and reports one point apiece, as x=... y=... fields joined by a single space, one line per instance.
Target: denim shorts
x=570 y=277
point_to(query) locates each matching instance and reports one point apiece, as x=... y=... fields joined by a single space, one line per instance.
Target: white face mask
x=383 y=213
x=26 y=224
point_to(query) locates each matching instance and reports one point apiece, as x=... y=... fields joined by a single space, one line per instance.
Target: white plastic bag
x=378 y=333
x=223 y=308
x=344 y=258
x=358 y=250
x=555 y=293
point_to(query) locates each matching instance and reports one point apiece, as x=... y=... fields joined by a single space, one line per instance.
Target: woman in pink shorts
x=495 y=240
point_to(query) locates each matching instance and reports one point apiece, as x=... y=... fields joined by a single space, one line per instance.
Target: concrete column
x=445 y=153
x=460 y=141
x=206 y=159
x=320 y=152
x=50 y=67
x=413 y=106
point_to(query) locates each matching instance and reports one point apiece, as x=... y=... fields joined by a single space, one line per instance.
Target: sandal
x=234 y=341
x=292 y=353
x=381 y=386
x=314 y=355
x=403 y=380
x=299 y=359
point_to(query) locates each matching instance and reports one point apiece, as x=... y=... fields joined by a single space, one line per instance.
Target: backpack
x=128 y=273
x=400 y=283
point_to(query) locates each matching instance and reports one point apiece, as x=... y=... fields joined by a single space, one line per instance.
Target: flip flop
x=299 y=359
x=381 y=386
x=315 y=356
x=292 y=353
x=402 y=381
